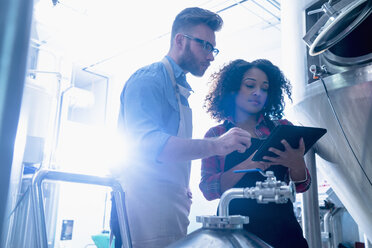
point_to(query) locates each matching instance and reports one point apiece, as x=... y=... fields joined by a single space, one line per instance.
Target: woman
x=251 y=96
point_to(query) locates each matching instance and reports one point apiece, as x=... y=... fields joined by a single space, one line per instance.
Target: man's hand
x=181 y=149
x=236 y=139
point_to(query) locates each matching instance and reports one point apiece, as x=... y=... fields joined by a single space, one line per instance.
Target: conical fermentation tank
x=338 y=96
x=227 y=231
x=224 y=232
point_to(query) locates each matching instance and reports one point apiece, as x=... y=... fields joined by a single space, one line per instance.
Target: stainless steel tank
x=227 y=231
x=226 y=238
x=346 y=149
x=337 y=95
x=36 y=118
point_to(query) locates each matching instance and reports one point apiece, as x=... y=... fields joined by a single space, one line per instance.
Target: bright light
x=91 y=150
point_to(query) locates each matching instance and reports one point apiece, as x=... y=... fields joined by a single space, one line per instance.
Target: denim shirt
x=149 y=112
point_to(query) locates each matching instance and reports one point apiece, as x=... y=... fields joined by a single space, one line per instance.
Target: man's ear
x=179 y=40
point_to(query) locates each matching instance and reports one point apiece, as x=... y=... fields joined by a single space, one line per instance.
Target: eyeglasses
x=208 y=47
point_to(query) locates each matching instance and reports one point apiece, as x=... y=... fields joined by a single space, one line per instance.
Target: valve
x=318 y=71
x=326 y=8
x=270 y=190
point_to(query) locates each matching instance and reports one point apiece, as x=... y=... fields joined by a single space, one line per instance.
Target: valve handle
x=250 y=171
x=326 y=8
x=268 y=174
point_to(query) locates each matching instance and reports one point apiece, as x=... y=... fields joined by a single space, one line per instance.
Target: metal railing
x=38 y=207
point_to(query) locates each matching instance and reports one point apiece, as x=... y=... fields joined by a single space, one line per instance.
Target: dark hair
x=220 y=102
x=191 y=17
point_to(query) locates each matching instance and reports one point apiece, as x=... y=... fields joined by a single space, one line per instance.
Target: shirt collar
x=179 y=74
x=261 y=121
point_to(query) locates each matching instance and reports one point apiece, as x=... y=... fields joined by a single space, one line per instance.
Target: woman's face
x=252 y=95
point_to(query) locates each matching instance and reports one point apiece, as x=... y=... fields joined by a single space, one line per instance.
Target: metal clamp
x=38 y=207
x=223 y=222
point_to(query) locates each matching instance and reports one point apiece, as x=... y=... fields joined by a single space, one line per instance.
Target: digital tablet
x=292 y=135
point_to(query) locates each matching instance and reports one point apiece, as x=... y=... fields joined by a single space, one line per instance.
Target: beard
x=189 y=62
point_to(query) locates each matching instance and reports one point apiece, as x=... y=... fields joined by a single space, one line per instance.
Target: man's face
x=194 y=57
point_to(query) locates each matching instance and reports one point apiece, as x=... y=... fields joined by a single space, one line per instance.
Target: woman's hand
x=229 y=178
x=291 y=158
x=250 y=164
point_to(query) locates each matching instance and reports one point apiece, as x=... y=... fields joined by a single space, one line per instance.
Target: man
x=156 y=120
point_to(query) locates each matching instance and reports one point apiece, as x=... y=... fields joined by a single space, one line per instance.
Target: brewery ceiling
x=96 y=33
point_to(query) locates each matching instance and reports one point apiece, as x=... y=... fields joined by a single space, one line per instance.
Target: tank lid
x=223 y=222
x=336 y=23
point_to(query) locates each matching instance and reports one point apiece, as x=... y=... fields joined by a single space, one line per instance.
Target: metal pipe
x=336 y=237
x=226 y=197
x=58 y=127
x=15 y=26
x=230 y=6
x=38 y=209
x=268 y=11
x=58 y=74
x=310 y=208
x=274 y=3
x=367 y=243
x=41 y=236
x=122 y=215
x=327 y=228
x=253 y=13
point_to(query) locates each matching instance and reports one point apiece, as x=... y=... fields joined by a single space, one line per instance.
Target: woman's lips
x=254 y=102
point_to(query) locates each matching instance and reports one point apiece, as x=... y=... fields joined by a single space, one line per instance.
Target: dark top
x=274 y=223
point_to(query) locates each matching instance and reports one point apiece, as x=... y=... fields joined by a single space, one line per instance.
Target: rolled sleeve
x=210 y=178
x=302 y=186
x=305 y=185
x=212 y=169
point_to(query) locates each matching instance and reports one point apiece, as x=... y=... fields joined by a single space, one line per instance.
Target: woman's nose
x=256 y=92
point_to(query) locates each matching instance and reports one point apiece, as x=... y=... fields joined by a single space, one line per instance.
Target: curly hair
x=226 y=83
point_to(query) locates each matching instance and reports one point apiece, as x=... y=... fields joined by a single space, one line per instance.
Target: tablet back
x=292 y=135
